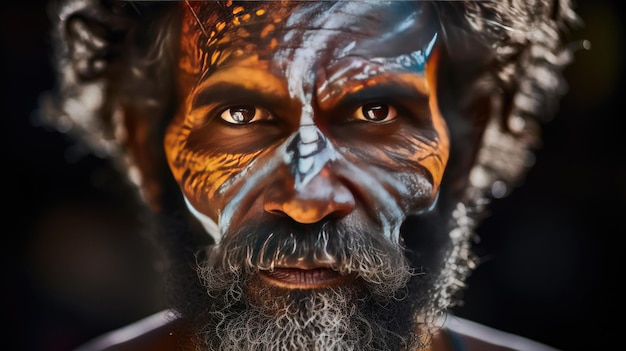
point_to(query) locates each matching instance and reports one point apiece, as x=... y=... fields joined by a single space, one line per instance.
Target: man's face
x=306 y=135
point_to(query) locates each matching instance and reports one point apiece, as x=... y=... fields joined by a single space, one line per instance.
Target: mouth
x=298 y=278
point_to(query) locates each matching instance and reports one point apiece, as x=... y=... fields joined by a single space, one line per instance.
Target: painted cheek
x=200 y=172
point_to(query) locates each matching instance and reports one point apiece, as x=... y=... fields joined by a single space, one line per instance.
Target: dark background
x=74 y=267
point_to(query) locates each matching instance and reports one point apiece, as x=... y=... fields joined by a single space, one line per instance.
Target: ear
x=115 y=84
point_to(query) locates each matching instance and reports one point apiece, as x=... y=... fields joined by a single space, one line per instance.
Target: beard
x=338 y=318
x=389 y=304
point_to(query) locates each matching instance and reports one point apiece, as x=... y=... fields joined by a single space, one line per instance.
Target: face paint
x=312 y=78
x=308 y=132
x=308 y=141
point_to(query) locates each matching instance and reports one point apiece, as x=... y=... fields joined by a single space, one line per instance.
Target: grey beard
x=390 y=306
x=375 y=313
x=339 y=318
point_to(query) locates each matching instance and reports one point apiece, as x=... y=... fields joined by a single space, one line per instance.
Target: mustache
x=361 y=248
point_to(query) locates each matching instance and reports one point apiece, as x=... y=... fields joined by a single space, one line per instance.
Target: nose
x=323 y=196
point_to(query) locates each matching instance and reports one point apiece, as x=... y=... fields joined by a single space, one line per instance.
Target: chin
x=361 y=299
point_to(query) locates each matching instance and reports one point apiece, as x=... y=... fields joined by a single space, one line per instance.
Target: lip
x=298 y=278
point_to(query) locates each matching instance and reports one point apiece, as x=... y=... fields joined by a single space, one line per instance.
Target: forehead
x=218 y=33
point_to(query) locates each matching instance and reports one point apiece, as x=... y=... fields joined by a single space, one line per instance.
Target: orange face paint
x=302 y=84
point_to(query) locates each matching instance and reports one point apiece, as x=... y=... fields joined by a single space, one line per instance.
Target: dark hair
x=502 y=62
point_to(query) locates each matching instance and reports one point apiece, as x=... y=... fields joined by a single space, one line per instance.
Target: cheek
x=407 y=162
x=201 y=170
x=420 y=193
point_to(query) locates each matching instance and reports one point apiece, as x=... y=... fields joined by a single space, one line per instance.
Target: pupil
x=376 y=112
x=242 y=113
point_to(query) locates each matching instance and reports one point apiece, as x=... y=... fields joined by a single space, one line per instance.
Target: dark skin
x=276 y=103
x=369 y=124
x=298 y=117
x=405 y=133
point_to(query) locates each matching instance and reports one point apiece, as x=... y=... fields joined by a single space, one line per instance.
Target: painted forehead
x=215 y=33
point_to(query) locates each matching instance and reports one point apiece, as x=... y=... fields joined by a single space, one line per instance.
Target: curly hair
x=502 y=62
x=115 y=64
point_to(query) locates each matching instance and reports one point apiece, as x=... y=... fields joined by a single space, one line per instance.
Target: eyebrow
x=382 y=86
x=230 y=86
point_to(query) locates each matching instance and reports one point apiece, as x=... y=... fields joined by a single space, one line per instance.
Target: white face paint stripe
x=388 y=208
x=207 y=223
x=303 y=59
x=252 y=180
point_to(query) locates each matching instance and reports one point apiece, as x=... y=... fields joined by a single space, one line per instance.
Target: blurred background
x=73 y=265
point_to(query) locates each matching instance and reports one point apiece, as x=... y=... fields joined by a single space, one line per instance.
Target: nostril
x=276 y=212
x=272 y=206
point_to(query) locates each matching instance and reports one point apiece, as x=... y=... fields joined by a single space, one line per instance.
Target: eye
x=375 y=112
x=245 y=114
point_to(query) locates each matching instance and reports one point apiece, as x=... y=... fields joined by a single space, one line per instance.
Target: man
x=316 y=167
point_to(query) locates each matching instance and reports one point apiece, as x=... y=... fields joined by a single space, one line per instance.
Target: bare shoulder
x=159 y=332
x=465 y=335
x=164 y=332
